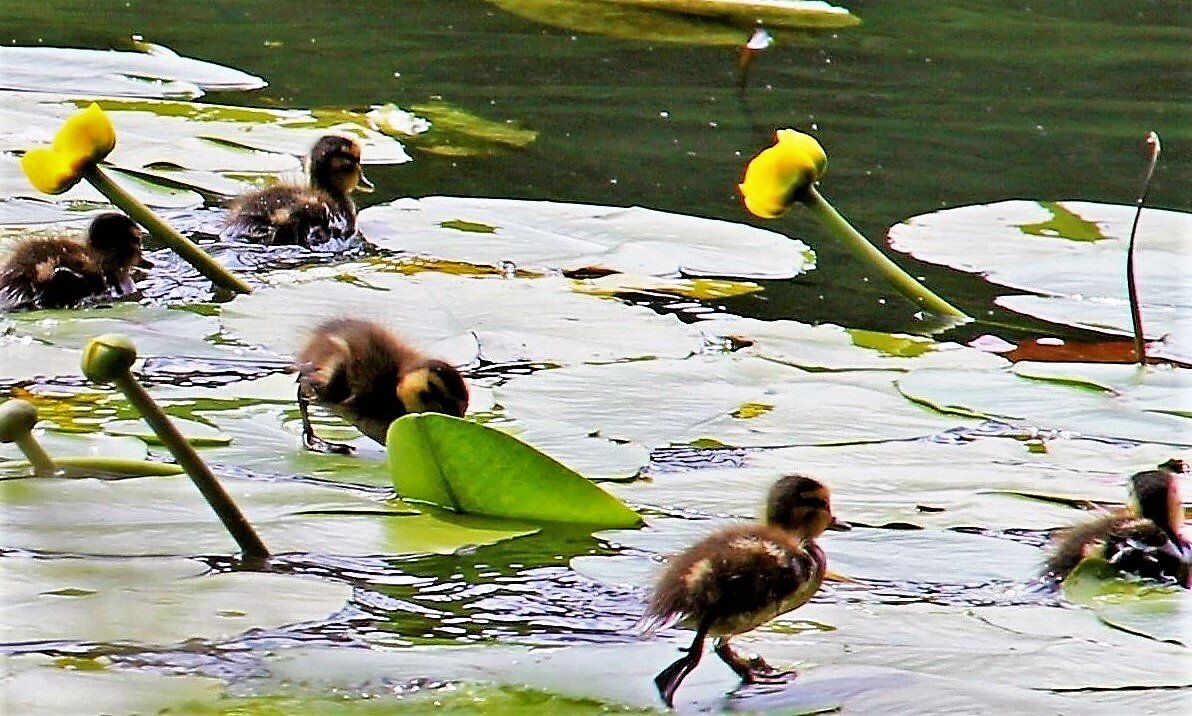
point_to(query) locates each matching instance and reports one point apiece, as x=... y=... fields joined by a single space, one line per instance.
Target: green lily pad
x=545 y=236
x=701 y=23
x=156 y=72
x=1158 y=389
x=449 y=131
x=38 y=685
x=667 y=402
x=701 y=289
x=214 y=149
x=153 y=601
x=1162 y=613
x=474 y=469
x=196 y=433
x=1042 y=404
x=460 y=319
x=167 y=516
x=1072 y=252
x=829 y=347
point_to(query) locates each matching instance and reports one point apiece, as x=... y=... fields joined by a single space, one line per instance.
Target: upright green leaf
x=475 y=469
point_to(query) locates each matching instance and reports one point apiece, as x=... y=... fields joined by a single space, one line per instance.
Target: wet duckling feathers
x=304 y=215
x=59 y=272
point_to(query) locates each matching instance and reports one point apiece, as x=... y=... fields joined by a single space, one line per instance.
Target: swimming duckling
x=1143 y=539
x=741 y=577
x=369 y=377
x=305 y=215
x=59 y=272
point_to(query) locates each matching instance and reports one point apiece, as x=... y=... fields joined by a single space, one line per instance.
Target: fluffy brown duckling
x=741 y=577
x=59 y=272
x=1144 y=539
x=305 y=215
x=369 y=377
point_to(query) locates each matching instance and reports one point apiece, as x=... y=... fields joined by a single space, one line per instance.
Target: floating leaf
x=461 y=319
x=1042 y=404
x=158 y=72
x=450 y=131
x=829 y=347
x=1162 y=613
x=1082 y=279
x=700 y=289
x=196 y=433
x=474 y=469
x=544 y=235
x=722 y=22
x=154 y=601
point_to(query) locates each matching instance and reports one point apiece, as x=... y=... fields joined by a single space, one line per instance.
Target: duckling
x=305 y=215
x=59 y=272
x=369 y=377
x=741 y=577
x=1143 y=539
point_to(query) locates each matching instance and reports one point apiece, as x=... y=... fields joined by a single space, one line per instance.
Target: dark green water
x=926 y=105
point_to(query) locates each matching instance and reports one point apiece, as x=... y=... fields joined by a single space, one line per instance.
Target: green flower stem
x=17 y=418
x=867 y=252
x=108 y=359
x=163 y=232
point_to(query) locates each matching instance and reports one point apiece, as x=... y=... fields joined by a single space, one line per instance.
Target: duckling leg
x=668 y=679
x=311 y=441
x=752 y=670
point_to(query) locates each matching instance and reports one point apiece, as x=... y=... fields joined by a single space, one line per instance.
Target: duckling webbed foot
x=751 y=669
x=312 y=442
x=668 y=679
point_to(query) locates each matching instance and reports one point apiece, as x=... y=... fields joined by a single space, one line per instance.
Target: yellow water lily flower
x=86 y=138
x=778 y=176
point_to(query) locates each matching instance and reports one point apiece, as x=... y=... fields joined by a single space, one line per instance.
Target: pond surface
x=123 y=596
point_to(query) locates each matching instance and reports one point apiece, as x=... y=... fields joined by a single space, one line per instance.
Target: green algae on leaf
x=1147 y=609
x=474 y=469
x=544 y=235
x=1080 y=280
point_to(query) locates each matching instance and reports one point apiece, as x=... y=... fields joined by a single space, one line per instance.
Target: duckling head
x=1155 y=495
x=434 y=387
x=801 y=506
x=115 y=240
x=335 y=167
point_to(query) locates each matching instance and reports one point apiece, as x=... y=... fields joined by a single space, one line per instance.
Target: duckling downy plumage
x=60 y=272
x=308 y=215
x=368 y=376
x=1144 y=539
x=741 y=577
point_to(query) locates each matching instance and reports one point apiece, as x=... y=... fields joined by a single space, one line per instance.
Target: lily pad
x=1042 y=404
x=449 y=131
x=155 y=72
x=829 y=347
x=196 y=433
x=166 y=516
x=545 y=236
x=461 y=319
x=475 y=469
x=153 y=601
x=1159 y=389
x=39 y=686
x=1073 y=253
x=732 y=400
x=715 y=23
x=1162 y=613
x=215 y=149
x=700 y=289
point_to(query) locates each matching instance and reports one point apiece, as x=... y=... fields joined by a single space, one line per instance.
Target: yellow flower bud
x=779 y=175
x=86 y=138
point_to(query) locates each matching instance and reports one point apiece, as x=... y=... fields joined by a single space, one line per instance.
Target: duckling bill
x=305 y=215
x=60 y=273
x=739 y=578
x=369 y=377
x=1143 y=540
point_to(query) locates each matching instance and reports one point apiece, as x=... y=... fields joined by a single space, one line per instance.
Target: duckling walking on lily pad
x=369 y=377
x=59 y=272
x=305 y=215
x=1142 y=540
x=742 y=577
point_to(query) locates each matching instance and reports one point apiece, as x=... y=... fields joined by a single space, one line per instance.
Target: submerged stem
x=1152 y=142
x=163 y=232
x=867 y=252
